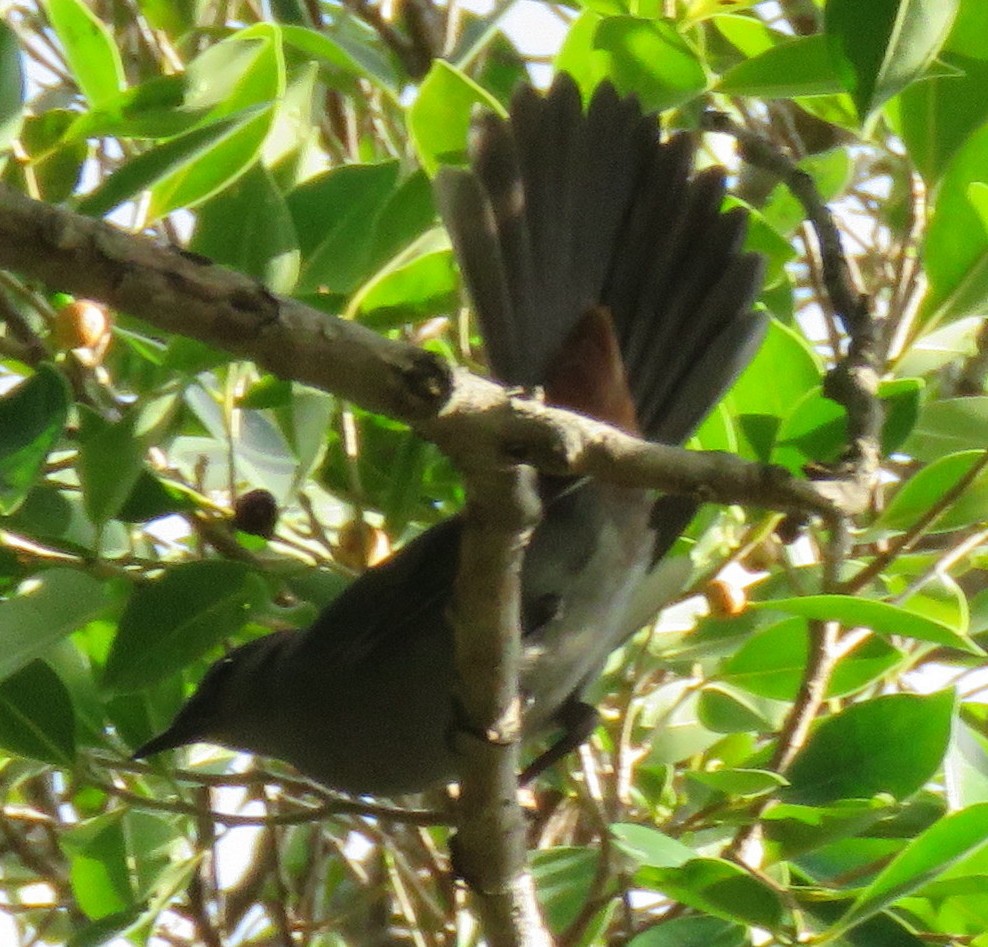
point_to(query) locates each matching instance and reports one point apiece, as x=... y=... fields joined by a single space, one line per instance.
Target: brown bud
x=256 y=513
x=725 y=600
x=80 y=324
x=361 y=545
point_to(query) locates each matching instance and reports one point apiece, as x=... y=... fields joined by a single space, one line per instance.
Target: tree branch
x=489 y=845
x=475 y=421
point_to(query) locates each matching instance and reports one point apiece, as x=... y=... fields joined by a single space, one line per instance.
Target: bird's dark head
x=225 y=702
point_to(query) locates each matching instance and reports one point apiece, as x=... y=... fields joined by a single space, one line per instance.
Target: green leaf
x=90 y=49
x=926 y=489
x=933 y=117
x=650 y=847
x=564 y=878
x=154 y=109
x=36 y=715
x=761 y=407
x=880 y=617
x=801 y=66
x=336 y=56
x=816 y=429
x=717 y=887
x=152 y=498
x=415 y=284
x=334 y=216
x=892 y=744
x=98 y=869
x=45 y=609
x=579 y=56
x=953 y=837
x=881 y=46
x=772 y=663
x=185 y=170
x=745 y=783
x=175 y=619
x=723 y=709
x=111 y=458
x=248 y=227
x=651 y=59
x=11 y=89
x=943 y=427
x=32 y=416
x=955 y=249
x=439 y=118
x=695 y=931
x=54 y=164
x=244 y=72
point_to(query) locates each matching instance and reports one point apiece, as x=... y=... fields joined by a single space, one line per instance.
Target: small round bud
x=256 y=513
x=361 y=545
x=80 y=325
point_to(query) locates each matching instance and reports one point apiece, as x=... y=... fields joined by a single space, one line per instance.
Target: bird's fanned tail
x=567 y=211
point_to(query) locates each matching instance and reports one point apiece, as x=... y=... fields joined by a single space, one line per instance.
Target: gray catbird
x=603 y=271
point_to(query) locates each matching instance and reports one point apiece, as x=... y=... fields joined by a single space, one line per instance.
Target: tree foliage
x=295 y=143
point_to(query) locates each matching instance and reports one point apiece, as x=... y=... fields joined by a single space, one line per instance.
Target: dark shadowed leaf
x=173 y=620
x=892 y=744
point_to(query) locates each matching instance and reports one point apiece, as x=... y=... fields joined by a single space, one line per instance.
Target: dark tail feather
x=564 y=210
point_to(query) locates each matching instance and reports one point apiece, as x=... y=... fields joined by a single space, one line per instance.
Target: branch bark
x=489 y=846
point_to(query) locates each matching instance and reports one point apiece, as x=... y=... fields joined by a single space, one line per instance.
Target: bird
x=604 y=272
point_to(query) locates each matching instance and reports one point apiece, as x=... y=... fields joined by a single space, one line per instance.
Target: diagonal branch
x=477 y=422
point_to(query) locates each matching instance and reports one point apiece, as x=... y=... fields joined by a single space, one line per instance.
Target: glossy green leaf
x=173 y=620
x=934 y=117
x=90 y=49
x=745 y=783
x=650 y=58
x=933 y=350
x=45 y=609
x=98 y=870
x=880 y=617
x=772 y=663
x=831 y=171
x=955 y=249
x=760 y=407
x=36 y=715
x=723 y=709
x=248 y=227
x=879 y=47
x=564 y=877
x=418 y=282
x=578 y=54
x=156 y=108
x=246 y=71
x=439 y=118
x=334 y=217
x=336 y=55
x=32 y=416
x=928 y=855
x=801 y=66
x=816 y=429
x=111 y=459
x=11 y=89
x=948 y=426
x=892 y=744
x=650 y=847
x=151 y=498
x=925 y=490
x=794 y=829
x=185 y=170
x=695 y=931
x=717 y=887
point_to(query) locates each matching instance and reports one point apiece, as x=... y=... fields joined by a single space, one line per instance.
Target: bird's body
x=600 y=272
